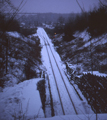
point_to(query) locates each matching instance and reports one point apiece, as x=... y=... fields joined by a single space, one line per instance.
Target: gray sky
x=55 y=6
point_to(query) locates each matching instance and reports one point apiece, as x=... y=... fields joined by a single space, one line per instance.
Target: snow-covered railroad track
x=58 y=88
x=65 y=99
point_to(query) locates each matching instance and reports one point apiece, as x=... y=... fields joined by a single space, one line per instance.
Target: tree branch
x=13 y=16
x=102 y=3
x=80 y=6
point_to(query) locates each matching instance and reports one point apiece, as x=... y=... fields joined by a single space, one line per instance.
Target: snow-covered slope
x=21 y=100
x=24 y=99
x=18 y=55
x=77 y=117
x=97 y=73
x=14 y=34
x=84 y=51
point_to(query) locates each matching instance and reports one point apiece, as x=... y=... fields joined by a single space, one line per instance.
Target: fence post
x=44 y=74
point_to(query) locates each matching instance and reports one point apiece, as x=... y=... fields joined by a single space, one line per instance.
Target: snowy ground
x=97 y=73
x=77 y=117
x=22 y=99
x=81 y=106
x=14 y=34
x=85 y=115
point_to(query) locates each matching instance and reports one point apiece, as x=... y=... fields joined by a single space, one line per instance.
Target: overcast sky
x=55 y=6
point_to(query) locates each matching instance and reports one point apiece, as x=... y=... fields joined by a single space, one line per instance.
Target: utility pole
x=6 y=54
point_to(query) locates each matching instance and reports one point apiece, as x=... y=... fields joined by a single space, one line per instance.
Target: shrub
x=12 y=25
x=27 y=31
x=93 y=88
x=8 y=24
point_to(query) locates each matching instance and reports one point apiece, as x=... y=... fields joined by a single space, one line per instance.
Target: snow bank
x=84 y=35
x=77 y=117
x=33 y=35
x=48 y=26
x=21 y=99
x=14 y=34
x=96 y=73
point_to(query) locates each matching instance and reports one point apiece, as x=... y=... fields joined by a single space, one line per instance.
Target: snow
x=84 y=110
x=33 y=35
x=14 y=34
x=21 y=37
x=97 y=73
x=48 y=26
x=77 y=117
x=97 y=41
x=94 y=41
x=84 y=35
x=80 y=106
x=22 y=97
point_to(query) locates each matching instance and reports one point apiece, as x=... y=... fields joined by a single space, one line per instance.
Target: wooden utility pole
x=6 y=54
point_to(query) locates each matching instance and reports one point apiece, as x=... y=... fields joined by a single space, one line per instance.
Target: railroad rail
x=48 y=47
x=65 y=97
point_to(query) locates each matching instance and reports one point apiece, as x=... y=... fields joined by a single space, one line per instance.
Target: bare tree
x=103 y=3
x=80 y=6
x=6 y=5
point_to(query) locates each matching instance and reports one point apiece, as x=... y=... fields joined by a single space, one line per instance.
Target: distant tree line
x=14 y=25
x=94 y=21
